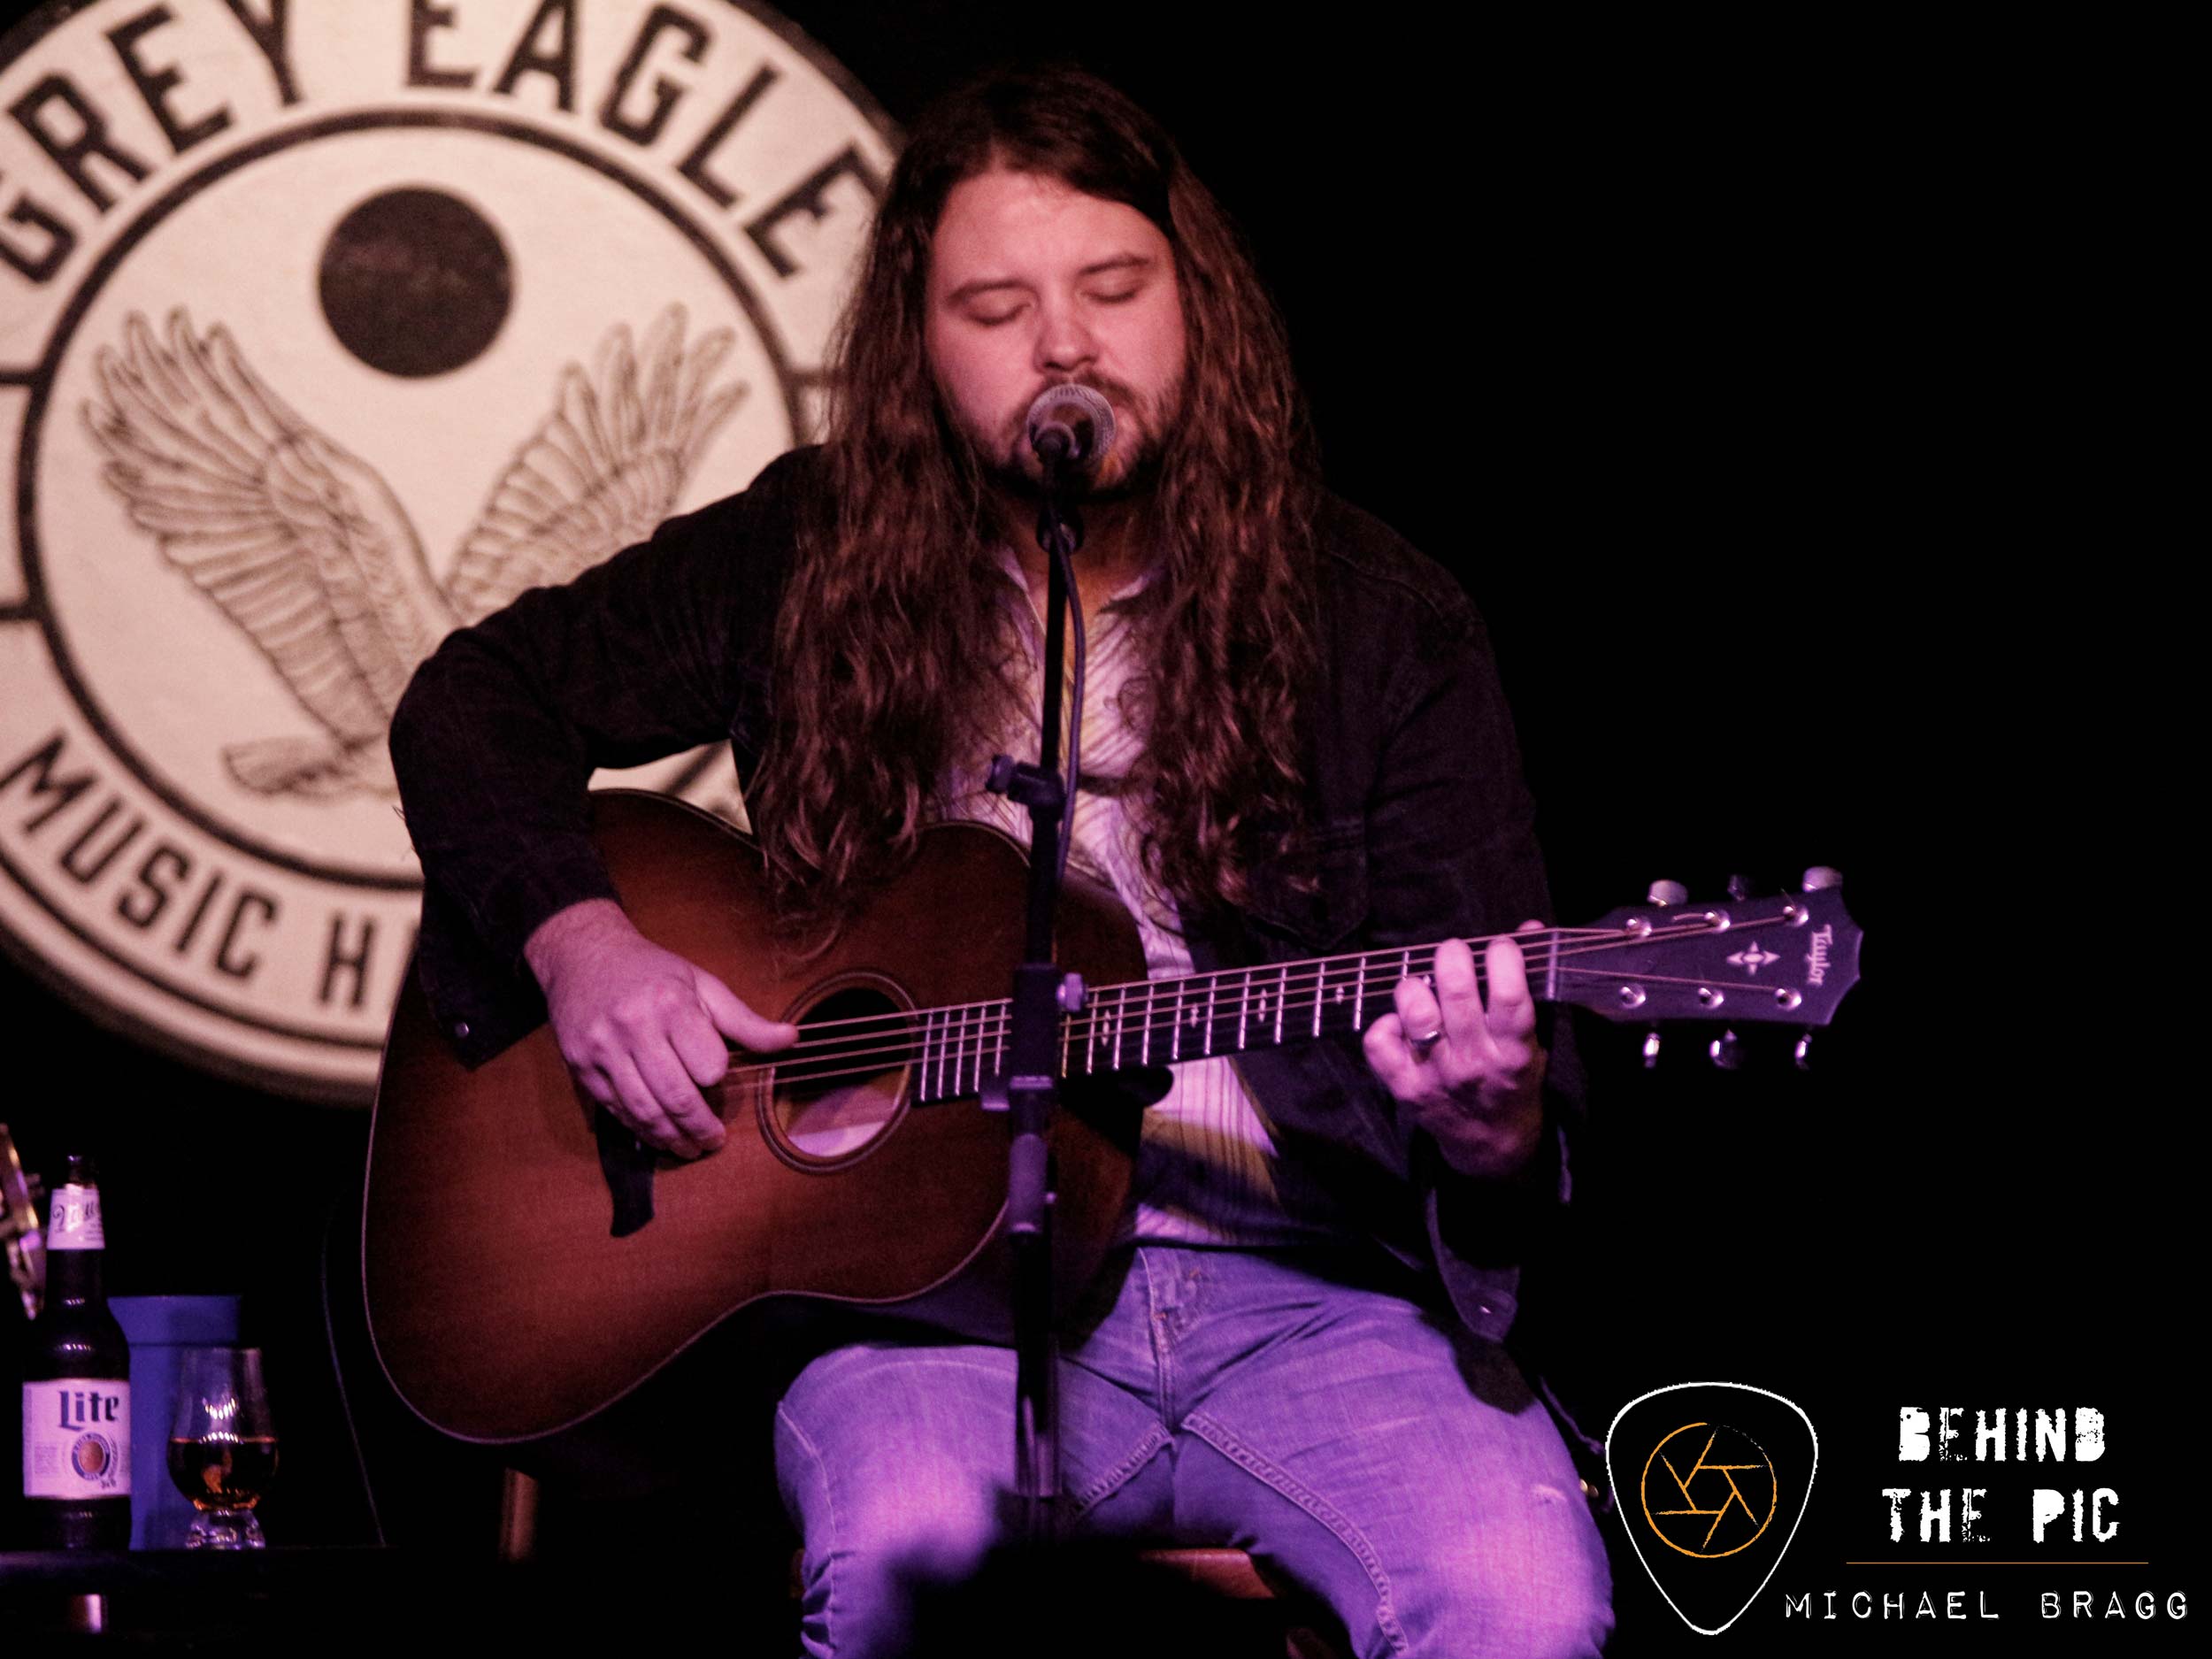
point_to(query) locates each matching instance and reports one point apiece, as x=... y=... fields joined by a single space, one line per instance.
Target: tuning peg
x=1822 y=876
x=1667 y=892
x=1804 y=1050
x=1724 y=1051
x=1740 y=887
x=1651 y=1047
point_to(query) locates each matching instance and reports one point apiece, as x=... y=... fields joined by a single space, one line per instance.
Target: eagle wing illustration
x=301 y=543
x=604 y=468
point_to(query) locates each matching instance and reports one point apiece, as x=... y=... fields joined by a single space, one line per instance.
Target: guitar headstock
x=1786 y=960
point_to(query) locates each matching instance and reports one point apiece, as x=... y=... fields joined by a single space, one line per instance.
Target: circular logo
x=93 y=1457
x=1708 y=1490
x=324 y=331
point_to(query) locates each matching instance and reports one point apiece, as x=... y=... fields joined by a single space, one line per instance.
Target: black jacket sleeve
x=649 y=654
x=1422 y=827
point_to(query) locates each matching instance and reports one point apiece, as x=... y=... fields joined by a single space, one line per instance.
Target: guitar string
x=1609 y=936
x=947 y=1043
x=899 y=1020
x=961 y=1053
x=1097 y=1018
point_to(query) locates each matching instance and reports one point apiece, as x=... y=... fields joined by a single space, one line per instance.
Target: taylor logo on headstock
x=1816 y=960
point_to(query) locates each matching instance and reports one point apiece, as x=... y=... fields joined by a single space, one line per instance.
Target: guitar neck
x=1780 y=961
x=1167 y=1022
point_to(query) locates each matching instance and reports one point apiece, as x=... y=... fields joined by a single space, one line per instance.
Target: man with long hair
x=1294 y=744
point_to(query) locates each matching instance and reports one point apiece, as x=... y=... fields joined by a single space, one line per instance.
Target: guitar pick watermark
x=1713 y=1479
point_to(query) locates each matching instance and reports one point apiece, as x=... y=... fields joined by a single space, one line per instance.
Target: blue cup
x=159 y=1328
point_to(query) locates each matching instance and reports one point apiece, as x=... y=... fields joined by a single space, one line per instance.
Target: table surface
x=303 y=1600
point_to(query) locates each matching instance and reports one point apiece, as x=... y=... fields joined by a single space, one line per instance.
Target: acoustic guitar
x=521 y=1276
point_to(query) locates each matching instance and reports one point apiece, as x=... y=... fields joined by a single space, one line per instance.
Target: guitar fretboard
x=1165 y=1022
x=1694 y=964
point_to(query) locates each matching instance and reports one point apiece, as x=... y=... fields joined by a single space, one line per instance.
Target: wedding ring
x=1422 y=1045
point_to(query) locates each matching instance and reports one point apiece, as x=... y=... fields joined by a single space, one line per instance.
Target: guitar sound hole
x=831 y=1102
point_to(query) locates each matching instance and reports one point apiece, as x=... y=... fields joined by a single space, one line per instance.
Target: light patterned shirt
x=1208 y=1171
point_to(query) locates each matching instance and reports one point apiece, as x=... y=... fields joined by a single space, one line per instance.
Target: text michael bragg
x=1955 y=1604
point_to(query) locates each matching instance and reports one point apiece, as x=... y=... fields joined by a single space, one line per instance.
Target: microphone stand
x=1028 y=1090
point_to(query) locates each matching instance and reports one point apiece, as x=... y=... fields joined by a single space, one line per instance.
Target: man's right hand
x=642 y=1030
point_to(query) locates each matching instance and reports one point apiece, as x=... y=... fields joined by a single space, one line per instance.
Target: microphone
x=1071 y=427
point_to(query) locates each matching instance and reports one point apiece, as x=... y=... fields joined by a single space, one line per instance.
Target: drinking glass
x=222 y=1445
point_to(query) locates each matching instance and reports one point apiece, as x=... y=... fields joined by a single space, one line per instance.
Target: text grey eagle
x=308 y=550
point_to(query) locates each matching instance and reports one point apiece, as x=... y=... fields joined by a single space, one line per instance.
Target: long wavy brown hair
x=895 y=664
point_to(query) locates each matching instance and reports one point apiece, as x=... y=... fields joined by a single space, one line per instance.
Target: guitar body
x=517 y=1286
x=501 y=1303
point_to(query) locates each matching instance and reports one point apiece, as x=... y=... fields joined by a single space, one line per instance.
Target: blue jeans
x=1362 y=1446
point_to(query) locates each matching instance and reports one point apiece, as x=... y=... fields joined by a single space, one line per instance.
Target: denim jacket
x=1421 y=824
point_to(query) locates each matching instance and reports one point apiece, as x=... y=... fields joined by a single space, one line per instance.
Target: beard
x=1130 y=469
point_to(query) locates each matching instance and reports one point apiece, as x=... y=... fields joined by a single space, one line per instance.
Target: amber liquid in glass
x=224 y=1474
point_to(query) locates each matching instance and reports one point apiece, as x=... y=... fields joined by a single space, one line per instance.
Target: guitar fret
x=960 y=1057
x=1342 y=986
x=928 y=1090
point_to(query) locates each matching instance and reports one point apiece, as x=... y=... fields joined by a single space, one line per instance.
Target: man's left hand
x=1472 y=1077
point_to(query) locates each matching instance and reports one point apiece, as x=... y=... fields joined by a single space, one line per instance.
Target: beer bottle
x=76 y=1388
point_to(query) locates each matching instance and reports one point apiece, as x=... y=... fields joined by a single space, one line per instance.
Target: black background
x=1698 y=355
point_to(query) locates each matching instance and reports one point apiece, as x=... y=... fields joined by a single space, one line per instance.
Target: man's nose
x=1064 y=341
